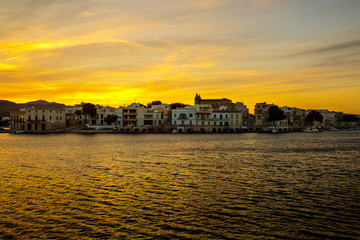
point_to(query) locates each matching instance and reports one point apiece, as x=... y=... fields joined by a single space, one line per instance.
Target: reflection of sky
x=297 y=53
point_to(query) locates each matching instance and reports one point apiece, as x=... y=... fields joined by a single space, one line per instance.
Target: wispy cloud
x=122 y=50
x=348 y=45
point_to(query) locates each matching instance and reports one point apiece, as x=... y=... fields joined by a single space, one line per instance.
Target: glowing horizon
x=301 y=54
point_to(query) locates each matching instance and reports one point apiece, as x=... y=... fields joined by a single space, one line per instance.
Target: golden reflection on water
x=177 y=186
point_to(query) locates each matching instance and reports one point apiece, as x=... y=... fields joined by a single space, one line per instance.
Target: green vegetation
x=275 y=114
x=177 y=105
x=110 y=119
x=350 y=118
x=314 y=117
x=155 y=102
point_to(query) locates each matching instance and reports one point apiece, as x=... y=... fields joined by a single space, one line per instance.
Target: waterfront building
x=203 y=117
x=165 y=113
x=240 y=106
x=215 y=103
x=295 y=116
x=131 y=116
x=118 y=112
x=183 y=118
x=220 y=117
x=329 y=117
x=161 y=106
x=72 y=116
x=151 y=118
x=101 y=113
x=280 y=126
x=262 y=115
x=38 y=119
x=235 y=120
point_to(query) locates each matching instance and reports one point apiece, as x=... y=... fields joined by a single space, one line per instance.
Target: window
x=174 y=114
x=148 y=122
x=190 y=115
x=175 y=122
x=190 y=122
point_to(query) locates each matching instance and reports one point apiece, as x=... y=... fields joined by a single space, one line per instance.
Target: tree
x=350 y=118
x=89 y=109
x=155 y=102
x=177 y=105
x=111 y=119
x=314 y=116
x=78 y=112
x=275 y=114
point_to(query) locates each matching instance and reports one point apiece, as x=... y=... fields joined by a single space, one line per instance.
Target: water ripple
x=223 y=186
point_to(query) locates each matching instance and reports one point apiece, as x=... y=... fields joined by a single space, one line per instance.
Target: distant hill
x=43 y=103
x=7 y=106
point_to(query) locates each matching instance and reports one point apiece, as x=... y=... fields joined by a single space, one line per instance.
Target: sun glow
x=113 y=53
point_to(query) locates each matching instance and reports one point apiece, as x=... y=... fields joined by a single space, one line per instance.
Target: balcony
x=182 y=117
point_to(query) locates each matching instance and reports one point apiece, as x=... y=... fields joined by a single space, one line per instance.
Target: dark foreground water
x=221 y=186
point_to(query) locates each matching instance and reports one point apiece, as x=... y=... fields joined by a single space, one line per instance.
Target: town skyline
x=301 y=54
x=250 y=108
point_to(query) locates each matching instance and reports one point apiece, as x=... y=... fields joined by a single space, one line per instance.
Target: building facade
x=38 y=119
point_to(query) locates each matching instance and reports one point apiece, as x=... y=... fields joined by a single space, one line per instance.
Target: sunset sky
x=303 y=53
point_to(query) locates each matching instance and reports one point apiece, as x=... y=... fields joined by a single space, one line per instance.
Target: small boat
x=18 y=131
x=311 y=130
x=174 y=131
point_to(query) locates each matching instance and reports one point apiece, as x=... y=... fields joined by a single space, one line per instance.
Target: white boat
x=18 y=131
x=311 y=130
x=174 y=131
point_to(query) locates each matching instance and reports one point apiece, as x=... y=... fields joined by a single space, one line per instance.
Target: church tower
x=197 y=99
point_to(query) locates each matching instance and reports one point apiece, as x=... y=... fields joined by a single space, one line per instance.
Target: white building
x=183 y=116
x=163 y=106
x=151 y=118
x=118 y=112
x=220 y=117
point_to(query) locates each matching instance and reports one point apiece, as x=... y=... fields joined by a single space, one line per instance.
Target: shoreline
x=92 y=132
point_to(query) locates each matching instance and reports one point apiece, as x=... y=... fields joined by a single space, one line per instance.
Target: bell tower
x=197 y=99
